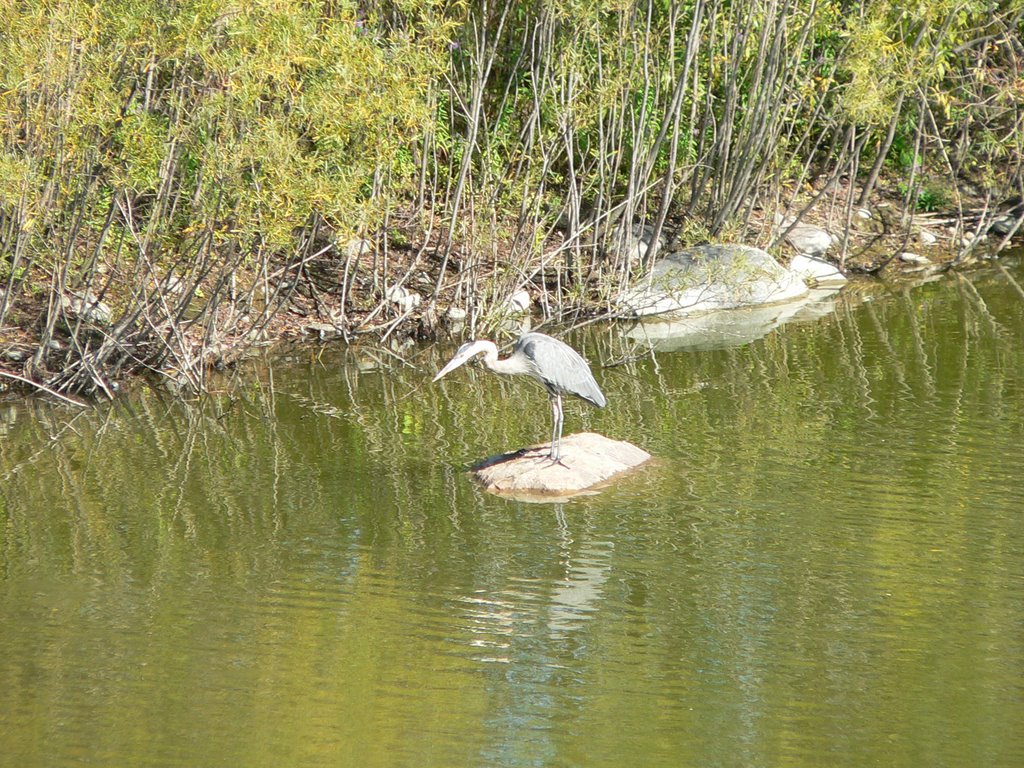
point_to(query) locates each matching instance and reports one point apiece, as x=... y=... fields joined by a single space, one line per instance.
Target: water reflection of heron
x=556 y=365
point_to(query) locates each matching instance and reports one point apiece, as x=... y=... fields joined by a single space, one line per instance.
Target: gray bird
x=553 y=363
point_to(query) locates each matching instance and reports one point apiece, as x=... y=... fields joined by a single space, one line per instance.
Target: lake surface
x=824 y=565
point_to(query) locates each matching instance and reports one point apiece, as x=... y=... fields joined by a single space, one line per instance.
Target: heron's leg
x=558 y=428
x=553 y=453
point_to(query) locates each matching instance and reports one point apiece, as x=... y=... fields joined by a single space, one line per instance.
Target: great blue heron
x=553 y=363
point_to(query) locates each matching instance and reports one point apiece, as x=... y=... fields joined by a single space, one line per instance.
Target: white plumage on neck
x=469 y=350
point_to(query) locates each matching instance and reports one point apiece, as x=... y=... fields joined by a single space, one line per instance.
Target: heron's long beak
x=454 y=363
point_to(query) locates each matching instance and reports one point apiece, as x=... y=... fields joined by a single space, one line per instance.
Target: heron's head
x=466 y=352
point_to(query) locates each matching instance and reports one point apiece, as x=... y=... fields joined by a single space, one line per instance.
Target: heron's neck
x=508 y=365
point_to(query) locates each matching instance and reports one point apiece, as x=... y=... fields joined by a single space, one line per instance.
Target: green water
x=824 y=566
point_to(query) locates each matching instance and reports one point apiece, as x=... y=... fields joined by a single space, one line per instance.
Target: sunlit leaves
x=265 y=112
x=876 y=75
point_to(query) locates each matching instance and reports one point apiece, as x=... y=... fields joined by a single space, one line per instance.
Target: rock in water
x=815 y=271
x=587 y=459
x=711 y=277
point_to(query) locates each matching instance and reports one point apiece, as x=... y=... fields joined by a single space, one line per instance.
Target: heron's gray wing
x=559 y=367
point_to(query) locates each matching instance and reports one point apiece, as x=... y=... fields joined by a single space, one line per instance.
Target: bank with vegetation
x=179 y=181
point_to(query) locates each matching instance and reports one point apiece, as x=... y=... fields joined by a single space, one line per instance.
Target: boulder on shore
x=587 y=459
x=806 y=238
x=711 y=277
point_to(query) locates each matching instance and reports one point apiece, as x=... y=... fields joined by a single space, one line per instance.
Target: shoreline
x=295 y=325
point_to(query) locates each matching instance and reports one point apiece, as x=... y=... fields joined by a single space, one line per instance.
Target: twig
x=44 y=388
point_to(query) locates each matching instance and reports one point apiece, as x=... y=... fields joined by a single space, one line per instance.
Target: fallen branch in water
x=44 y=388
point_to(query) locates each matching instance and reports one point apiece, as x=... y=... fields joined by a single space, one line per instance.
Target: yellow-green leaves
x=143 y=143
x=877 y=73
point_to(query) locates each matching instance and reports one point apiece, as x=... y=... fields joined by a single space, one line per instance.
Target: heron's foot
x=557 y=460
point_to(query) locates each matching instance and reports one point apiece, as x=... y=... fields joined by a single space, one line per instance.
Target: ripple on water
x=822 y=565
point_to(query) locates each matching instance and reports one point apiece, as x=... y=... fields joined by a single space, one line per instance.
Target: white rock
x=520 y=302
x=924 y=237
x=586 y=459
x=456 y=314
x=711 y=277
x=862 y=213
x=815 y=271
x=410 y=302
x=913 y=258
x=403 y=297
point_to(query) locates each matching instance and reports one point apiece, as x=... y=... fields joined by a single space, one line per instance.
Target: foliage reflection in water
x=824 y=566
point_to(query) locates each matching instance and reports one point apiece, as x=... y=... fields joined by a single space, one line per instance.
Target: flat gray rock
x=587 y=459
